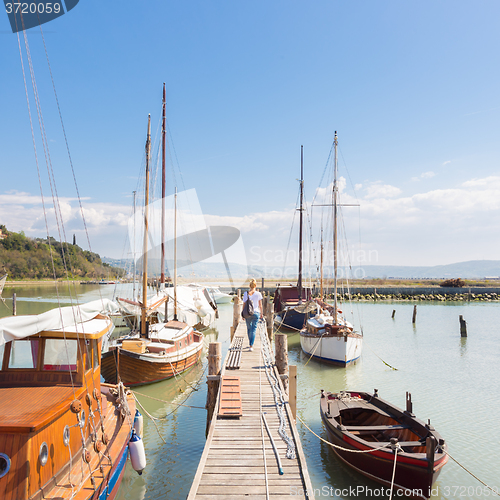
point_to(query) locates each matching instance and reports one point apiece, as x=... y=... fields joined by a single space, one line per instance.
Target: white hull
x=332 y=349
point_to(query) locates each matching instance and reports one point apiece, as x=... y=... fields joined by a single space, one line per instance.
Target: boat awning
x=76 y=319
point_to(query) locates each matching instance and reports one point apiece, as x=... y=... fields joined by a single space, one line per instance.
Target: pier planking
x=238 y=454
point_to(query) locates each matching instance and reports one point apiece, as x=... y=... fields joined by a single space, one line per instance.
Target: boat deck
x=238 y=461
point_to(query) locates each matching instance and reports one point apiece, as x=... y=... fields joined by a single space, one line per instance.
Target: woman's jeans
x=252 y=327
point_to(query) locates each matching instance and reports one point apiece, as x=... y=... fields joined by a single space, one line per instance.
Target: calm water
x=453 y=381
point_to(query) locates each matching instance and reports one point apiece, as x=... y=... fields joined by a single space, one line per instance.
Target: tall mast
x=321 y=268
x=133 y=251
x=145 y=244
x=335 y=189
x=175 y=255
x=299 y=282
x=163 y=194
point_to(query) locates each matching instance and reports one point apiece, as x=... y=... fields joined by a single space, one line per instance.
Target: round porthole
x=4 y=464
x=66 y=436
x=44 y=454
x=82 y=419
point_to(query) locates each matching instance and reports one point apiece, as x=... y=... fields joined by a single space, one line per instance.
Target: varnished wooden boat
x=362 y=421
x=63 y=434
x=170 y=349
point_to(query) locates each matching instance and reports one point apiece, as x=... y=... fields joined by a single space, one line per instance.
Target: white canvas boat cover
x=192 y=306
x=60 y=318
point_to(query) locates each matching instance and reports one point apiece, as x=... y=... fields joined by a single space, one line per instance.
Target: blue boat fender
x=137 y=453
x=138 y=423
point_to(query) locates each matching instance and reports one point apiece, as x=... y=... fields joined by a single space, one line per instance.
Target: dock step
x=230 y=397
x=234 y=359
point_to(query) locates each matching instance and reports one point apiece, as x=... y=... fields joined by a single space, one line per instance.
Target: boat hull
x=337 y=349
x=136 y=369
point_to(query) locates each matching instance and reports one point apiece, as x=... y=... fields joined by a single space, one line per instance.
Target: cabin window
x=24 y=354
x=2 y=350
x=60 y=355
x=88 y=356
x=95 y=348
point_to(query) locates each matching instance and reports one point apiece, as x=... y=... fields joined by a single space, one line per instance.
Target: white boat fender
x=138 y=423
x=137 y=453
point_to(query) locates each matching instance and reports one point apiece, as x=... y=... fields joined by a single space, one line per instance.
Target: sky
x=410 y=87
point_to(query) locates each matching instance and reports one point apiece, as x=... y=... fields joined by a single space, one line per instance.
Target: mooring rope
x=473 y=475
x=278 y=396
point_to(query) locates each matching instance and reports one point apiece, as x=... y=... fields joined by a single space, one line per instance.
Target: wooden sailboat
x=161 y=350
x=328 y=336
x=292 y=304
x=63 y=434
x=359 y=422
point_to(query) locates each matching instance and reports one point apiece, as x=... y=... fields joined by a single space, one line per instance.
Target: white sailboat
x=328 y=336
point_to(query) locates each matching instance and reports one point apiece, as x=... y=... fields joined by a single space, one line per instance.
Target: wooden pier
x=238 y=461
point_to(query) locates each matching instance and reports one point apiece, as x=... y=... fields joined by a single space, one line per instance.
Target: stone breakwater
x=439 y=297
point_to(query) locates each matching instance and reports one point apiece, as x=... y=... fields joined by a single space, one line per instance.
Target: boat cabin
x=50 y=401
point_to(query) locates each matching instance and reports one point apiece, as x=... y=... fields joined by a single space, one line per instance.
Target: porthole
x=66 y=436
x=82 y=419
x=44 y=454
x=4 y=464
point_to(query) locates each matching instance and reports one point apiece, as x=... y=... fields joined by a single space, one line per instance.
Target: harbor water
x=454 y=382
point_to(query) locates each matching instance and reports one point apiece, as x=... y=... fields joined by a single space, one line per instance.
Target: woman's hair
x=253 y=283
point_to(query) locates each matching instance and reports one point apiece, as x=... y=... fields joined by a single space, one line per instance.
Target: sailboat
x=328 y=336
x=3 y=279
x=160 y=350
x=293 y=304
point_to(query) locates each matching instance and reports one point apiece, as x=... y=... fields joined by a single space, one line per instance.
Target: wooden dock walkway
x=238 y=461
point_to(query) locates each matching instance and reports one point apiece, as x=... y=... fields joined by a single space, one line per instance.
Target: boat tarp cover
x=192 y=306
x=60 y=318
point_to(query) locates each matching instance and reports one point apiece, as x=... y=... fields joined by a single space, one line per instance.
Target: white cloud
x=427 y=175
x=439 y=226
x=446 y=162
x=379 y=190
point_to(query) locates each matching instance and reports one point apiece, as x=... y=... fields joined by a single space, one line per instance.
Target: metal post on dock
x=463 y=326
x=14 y=305
x=214 y=369
x=414 y=319
x=281 y=347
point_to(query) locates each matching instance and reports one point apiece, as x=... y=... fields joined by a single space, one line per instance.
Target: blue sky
x=411 y=88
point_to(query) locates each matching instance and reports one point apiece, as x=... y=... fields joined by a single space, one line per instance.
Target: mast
x=175 y=255
x=321 y=268
x=133 y=250
x=299 y=282
x=335 y=263
x=163 y=194
x=144 y=332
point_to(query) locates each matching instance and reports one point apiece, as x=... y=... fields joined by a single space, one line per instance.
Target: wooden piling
x=414 y=319
x=281 y=355
x=214 y=368
x=393 y=313
x=463 y=326
x=14 y=305
x=409 y=404
x=292 y=392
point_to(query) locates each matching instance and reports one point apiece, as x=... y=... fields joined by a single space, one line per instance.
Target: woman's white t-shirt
x=256 y=297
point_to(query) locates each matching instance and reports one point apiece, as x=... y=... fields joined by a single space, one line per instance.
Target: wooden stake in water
x=414 y=319
x=14 y=305
x=463 y=326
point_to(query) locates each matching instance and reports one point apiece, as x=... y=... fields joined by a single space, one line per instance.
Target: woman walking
x=256 y=298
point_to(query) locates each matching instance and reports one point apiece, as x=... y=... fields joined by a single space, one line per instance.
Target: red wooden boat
x=363 y=421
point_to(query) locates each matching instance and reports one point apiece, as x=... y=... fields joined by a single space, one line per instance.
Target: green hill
x=37 y=258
